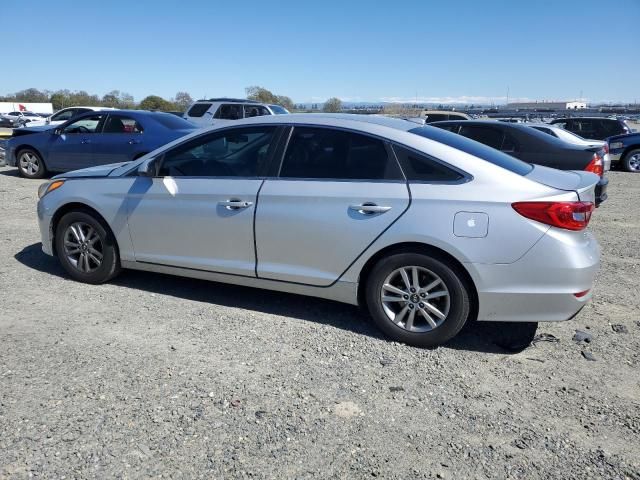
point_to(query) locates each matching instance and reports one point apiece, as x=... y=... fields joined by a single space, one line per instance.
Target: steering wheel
x=82 y=129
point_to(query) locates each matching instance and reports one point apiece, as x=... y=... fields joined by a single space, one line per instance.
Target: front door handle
x=369 y=208
x=85 y=141
x=133 y=142
x=234 y=204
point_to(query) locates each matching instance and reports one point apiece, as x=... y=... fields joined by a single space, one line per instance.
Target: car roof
x=563 y=119
x=333 y=119
x=228 y=100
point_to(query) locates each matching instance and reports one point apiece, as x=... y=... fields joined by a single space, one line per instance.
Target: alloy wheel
x=634 y=162
x=29 y=163
x=83 y=247
x=415 y=299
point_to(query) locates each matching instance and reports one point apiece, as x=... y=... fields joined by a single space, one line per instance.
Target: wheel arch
x=77 y=207
x=26 y=146
x=628 y=150
x=426 y=249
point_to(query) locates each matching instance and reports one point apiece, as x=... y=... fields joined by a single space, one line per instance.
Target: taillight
x=596 y=165
x=567 y=215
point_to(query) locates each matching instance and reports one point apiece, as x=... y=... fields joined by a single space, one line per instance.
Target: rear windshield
x=474 y=148
x=172 y=122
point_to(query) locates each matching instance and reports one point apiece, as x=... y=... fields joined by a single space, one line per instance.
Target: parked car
x=94 y=138
x=63 y=115
x=597 y=128
x=205 y=113
x=533 y=146
x=571 y=137
x=625 y=150
x=18 y=119
x=431 y=116
x=424 y=228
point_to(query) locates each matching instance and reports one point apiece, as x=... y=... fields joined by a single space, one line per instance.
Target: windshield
x=278 y=110
x=172 y=122
x=474 y=148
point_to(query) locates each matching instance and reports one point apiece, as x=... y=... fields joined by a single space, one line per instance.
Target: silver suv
x=205 y=113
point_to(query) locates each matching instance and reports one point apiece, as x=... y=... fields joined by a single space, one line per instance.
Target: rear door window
x=324 y=153
x=255 y=111
x=199 y=109
x=121 y=124
x=229 y=111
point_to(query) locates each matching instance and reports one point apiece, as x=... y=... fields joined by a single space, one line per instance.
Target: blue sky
x=470 y=50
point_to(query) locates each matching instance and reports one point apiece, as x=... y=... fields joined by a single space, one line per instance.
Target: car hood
x=29 y=130
x=98 y=171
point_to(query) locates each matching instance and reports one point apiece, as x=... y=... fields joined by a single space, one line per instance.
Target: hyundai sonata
x=424 y=228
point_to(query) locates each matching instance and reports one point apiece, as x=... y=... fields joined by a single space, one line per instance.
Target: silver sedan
x=424 y=228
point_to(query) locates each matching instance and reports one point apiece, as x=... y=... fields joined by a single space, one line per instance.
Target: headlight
x=49 y=187
x=614 y=145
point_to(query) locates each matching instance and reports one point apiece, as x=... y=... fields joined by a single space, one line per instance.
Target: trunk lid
x=583 y=183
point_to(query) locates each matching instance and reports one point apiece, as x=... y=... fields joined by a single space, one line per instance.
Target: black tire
x=458 y=299
x=110 y=265
x=30 y=164
x=631 y=161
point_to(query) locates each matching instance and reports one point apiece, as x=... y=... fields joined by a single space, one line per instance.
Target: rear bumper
x=541 y=286
x=615 y=155
x=601 y=191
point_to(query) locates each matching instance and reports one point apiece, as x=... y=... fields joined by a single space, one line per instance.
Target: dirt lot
x=154 y=375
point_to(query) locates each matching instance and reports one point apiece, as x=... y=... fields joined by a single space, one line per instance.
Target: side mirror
x=148 y=168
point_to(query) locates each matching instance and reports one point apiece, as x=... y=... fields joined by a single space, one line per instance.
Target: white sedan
x=18 y=119
x=63 y=115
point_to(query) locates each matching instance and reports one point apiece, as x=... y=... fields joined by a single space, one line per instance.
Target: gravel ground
x=158 y=376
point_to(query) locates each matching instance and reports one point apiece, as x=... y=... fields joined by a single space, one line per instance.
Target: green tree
x=285 y=101
x=182 y=101
x=260 y=94
x=154 y=102
x=32 y=95
x=111 y=99
x=332 y=105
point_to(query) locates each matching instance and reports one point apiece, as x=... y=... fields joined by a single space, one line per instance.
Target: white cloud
x=464 y=99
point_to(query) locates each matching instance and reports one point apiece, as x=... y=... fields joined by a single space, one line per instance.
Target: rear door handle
x=369 y=208
x=85 y=141
x=133 y=142
x=234 y=204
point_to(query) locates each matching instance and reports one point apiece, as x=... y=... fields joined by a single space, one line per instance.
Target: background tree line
x=118 y=99
x=115 y=99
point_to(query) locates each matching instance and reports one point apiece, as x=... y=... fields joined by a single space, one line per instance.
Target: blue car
x=625 y=151
x=90 y=139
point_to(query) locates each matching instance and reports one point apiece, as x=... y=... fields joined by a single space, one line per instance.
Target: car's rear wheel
x=86 y=248
x=417 y=299
x=631 y=161
x=30 y=164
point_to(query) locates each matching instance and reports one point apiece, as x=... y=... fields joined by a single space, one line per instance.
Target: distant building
x=572 y=105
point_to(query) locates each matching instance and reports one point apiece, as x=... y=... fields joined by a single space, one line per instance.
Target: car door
x=335 y=193
x=71 y=147
x=197 y=212
x=118 y=141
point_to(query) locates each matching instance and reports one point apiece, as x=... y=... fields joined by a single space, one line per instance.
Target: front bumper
x=44 y=223
x=541 y=286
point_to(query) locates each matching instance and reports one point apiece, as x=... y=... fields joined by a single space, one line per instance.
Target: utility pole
x=507 y=94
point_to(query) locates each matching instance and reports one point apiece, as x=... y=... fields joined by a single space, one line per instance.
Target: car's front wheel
x=417 y=299
x=631 y=161
x=30 y=164
x=86 y=248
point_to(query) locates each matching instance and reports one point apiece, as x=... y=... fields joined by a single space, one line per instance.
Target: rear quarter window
x=474 y=148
